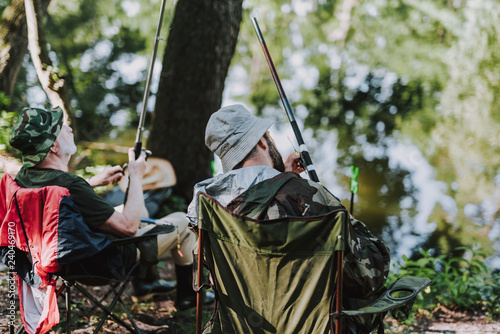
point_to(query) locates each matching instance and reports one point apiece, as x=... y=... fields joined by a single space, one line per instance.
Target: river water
x=398 y=191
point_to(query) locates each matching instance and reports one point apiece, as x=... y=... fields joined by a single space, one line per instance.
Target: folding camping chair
x=44 y=236
x=278 y=276
x=117 y=284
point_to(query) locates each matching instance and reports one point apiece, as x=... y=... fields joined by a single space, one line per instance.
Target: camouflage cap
x=35 y=132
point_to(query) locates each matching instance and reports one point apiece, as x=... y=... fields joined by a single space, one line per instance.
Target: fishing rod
x=140 y=128
x=304 y=153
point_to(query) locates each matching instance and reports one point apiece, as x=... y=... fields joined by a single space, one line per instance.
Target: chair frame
x=384 y=303
x=337 y=301
x=69 y=283
x=77 y=280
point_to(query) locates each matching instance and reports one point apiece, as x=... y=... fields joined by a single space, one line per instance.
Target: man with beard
x=249 y=157
x=258 y=183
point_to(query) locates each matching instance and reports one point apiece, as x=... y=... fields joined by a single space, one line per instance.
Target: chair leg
x=67 y=298
x=340 y=284
x=111 y=306
x=199 y=311
x=107 y=310
x=113 y=303
x=20 y=331
x=130 y=317
x=111 y=290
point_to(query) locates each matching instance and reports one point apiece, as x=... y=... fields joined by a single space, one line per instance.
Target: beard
x=276 y=157
x=67 y=146
x=70 y=149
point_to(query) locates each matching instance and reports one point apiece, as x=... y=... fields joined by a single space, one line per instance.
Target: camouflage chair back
x=279 y=276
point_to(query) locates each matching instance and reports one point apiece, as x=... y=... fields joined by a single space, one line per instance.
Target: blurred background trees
x=405 y=89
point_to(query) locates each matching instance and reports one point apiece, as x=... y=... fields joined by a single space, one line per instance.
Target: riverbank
x=159 y=316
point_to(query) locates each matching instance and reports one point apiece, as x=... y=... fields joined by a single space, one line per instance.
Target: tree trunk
x=52 y=83
x=200 y=46
x=13 y=43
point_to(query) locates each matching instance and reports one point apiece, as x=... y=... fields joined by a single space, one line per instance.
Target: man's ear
x=262 y=143
x=55 y=147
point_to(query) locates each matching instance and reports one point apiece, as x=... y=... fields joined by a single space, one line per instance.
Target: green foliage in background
x=3 y=4
x=7 y=120
x=382 y=72
x=102 y=50
x=459 y=283
x=172 y=203
x=422 y=74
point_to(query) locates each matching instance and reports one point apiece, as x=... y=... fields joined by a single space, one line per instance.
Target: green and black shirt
x=94 y=209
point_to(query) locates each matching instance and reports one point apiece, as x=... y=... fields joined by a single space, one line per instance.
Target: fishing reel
x=148 y=153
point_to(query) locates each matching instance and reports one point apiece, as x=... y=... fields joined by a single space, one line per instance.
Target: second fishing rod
x=298 y=135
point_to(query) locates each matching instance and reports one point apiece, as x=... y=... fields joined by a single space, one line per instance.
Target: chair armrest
x=156 y=230
x=149 y=220
x=387 y=302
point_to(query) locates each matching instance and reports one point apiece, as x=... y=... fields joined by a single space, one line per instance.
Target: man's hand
x=110 y=175
x=136 y=168
x=293 y=163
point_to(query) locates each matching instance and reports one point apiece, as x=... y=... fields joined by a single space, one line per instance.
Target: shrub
x=459 y=283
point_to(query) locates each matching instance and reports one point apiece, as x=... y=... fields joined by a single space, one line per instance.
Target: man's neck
x=256 y=162
x=261 y=158
x=54 y=162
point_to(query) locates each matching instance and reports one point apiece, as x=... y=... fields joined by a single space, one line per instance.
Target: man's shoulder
x=290 y=182
x=41 y=177
x=286 y=194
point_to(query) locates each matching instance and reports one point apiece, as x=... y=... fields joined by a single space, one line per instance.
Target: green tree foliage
x=374 y=72
x=88 y=38
x=97 y=47
x=463 y=143
x=394 y=70
x=7 y=120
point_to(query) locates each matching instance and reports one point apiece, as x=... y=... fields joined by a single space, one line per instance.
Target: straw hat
x=159 y=174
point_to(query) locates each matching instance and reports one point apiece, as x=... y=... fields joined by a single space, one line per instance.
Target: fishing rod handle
x=137 y=149
x=352 y=203
x=311 y=171
x=304 y=153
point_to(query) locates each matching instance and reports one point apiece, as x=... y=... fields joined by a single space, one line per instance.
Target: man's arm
x=125 y=224
x=110 y=175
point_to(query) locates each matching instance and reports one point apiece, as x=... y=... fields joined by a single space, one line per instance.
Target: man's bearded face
x=276 y=157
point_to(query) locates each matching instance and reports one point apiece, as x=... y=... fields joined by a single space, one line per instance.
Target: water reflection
x=376 y=116
x=412 y=191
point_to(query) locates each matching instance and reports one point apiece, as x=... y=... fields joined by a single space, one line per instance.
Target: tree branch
x=53 y=85
x=344 y=16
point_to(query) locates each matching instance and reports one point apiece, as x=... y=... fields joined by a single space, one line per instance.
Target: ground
x=159 y=316
x=442 y=320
